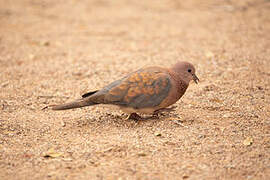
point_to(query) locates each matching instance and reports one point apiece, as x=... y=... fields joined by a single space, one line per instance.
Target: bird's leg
x=134 y=116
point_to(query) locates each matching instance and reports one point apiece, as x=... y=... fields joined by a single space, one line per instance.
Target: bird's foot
x=155 y=115
x=134 y=116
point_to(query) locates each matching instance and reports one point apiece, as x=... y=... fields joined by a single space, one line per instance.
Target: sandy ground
x=54 y=51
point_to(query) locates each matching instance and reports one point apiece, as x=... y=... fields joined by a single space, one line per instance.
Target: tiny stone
x=226 y=115
x=63 y=124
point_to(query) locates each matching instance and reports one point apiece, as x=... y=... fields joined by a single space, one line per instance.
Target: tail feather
x=72 y=105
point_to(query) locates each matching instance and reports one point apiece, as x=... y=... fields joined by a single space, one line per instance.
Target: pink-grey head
x=186 y=71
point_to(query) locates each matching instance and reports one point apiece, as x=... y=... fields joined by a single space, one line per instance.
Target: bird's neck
x=181 y=83
x=179 y=78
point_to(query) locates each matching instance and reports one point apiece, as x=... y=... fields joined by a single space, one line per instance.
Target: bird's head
x=186 y=71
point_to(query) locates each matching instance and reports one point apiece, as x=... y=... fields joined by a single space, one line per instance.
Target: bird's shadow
x=159 y=114
x=121 y=120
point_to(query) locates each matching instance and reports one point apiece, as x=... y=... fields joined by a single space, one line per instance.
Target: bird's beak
x=195 y=78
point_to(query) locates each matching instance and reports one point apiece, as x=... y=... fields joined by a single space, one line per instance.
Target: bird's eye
x=189 y=70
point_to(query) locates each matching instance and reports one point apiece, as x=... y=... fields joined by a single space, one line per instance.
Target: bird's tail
x=72 y=105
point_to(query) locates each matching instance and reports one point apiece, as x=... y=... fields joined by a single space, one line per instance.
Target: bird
x=146 y=91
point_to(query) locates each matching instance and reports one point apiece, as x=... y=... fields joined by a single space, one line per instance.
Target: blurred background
x=54 y=51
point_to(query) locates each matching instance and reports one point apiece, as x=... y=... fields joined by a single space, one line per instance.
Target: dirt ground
x=54 y=51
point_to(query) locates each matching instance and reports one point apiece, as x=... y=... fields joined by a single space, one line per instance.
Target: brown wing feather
x=141 y=89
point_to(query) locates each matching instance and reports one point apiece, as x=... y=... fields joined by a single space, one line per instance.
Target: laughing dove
x=146 y=90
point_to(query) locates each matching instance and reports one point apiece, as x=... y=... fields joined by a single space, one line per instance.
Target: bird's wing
x=145 y=88
x=89 y=94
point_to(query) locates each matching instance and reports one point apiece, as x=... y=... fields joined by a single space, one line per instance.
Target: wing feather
x=142 y=89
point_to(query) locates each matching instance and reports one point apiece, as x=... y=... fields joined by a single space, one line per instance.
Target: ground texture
x=54 y=51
